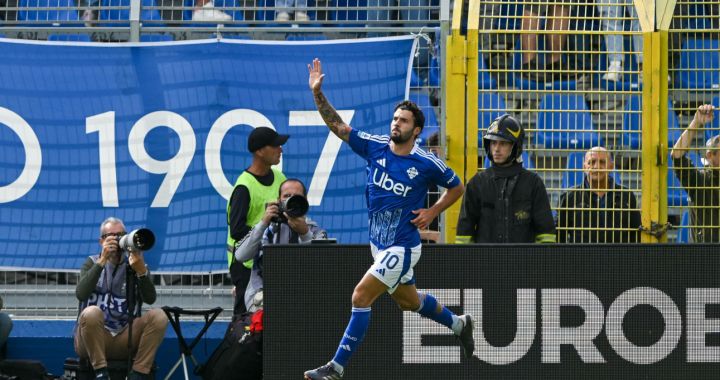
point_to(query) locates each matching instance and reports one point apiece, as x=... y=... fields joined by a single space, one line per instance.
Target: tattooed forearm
x=330 y=116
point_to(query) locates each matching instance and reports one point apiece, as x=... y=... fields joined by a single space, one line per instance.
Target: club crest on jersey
x=412 y=172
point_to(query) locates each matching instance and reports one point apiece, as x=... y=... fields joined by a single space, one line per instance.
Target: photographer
x=254 y=187
x=101 y=332
x=5 y=328
x=284 y=222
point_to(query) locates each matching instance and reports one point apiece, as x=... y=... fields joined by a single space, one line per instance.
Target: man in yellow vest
x=256 y=185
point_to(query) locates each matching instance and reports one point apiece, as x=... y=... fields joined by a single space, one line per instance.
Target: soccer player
x=399 y=173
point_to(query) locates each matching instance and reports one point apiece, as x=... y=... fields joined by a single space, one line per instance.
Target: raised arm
x=328 y=113
x=703 y=115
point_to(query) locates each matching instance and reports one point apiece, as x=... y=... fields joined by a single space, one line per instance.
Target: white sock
x=457 y=325
x=340 y=369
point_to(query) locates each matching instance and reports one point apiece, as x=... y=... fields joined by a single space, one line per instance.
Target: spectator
x=89 y=14
x=613 y=21
x=505 y=203
x=205 y=11
x=256 y=186
x=558 y=19
x=101 y=332
x=6 y=325
x=599 y=210
x=287 y=8
x=275 y=228
x=702 y=185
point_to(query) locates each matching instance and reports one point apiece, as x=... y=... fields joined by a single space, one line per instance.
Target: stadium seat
x=574 y=175
x=267 y=14
x=154 y=37
x=485 y=80
x=490 y=106
x=233 y=36
x=509 y=17
x=434 y=70
x=123 y=14
x=51 y=15
x=564 y=122
x=632 y=126
x=699 y=64
x=683 y=233
x=415 y=80
x=69 y=37
x=696 y=17
x=305 y=37
x=349 y=10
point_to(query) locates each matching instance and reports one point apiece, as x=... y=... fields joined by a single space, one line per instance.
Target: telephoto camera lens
x=296 y=205
x=141 y=239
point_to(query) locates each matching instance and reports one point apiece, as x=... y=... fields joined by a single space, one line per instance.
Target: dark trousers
x=240 y=277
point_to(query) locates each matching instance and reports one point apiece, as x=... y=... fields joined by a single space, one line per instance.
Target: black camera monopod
x=141 y=239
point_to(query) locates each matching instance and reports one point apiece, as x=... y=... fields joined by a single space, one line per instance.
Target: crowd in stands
x=383 y=13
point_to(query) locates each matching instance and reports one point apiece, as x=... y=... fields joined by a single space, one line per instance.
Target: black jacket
x=703 y=188
x=505 y=205
x=584 y=217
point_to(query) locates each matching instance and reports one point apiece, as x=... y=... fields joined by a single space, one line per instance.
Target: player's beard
x=401 y=137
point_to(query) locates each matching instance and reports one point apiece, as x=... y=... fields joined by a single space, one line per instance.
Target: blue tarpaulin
x=155 y=134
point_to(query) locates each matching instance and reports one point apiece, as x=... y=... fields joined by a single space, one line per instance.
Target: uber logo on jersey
x=383 y=181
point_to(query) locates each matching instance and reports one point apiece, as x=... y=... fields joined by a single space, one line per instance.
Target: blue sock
x=428 y=309
x=354 y=334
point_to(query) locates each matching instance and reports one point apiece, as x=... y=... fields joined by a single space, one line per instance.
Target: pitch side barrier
x=542 y=312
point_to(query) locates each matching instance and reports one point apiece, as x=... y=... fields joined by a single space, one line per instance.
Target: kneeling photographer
x=284 y=222
x=112 y=287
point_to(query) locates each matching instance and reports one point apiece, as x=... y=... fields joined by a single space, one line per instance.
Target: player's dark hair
x=418 y=116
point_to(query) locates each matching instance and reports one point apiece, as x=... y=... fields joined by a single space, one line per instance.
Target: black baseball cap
x=261 y=137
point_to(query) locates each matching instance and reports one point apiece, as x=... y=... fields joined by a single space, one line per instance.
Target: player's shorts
x=393 y=266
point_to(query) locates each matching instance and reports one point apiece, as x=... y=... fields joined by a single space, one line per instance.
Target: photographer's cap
x=261 y=137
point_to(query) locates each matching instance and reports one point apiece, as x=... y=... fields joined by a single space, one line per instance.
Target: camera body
x=295 y=206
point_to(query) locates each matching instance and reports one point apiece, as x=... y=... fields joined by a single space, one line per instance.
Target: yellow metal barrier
x=456 y=56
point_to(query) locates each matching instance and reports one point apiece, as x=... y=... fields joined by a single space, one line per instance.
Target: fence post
x=655 y=19
x=134 y=21
x=456 y=58
x=471 y=113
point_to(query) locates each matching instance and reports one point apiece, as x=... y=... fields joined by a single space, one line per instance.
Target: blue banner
x=156 y=134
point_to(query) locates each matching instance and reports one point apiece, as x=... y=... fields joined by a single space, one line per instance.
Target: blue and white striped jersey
x=397 y=185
